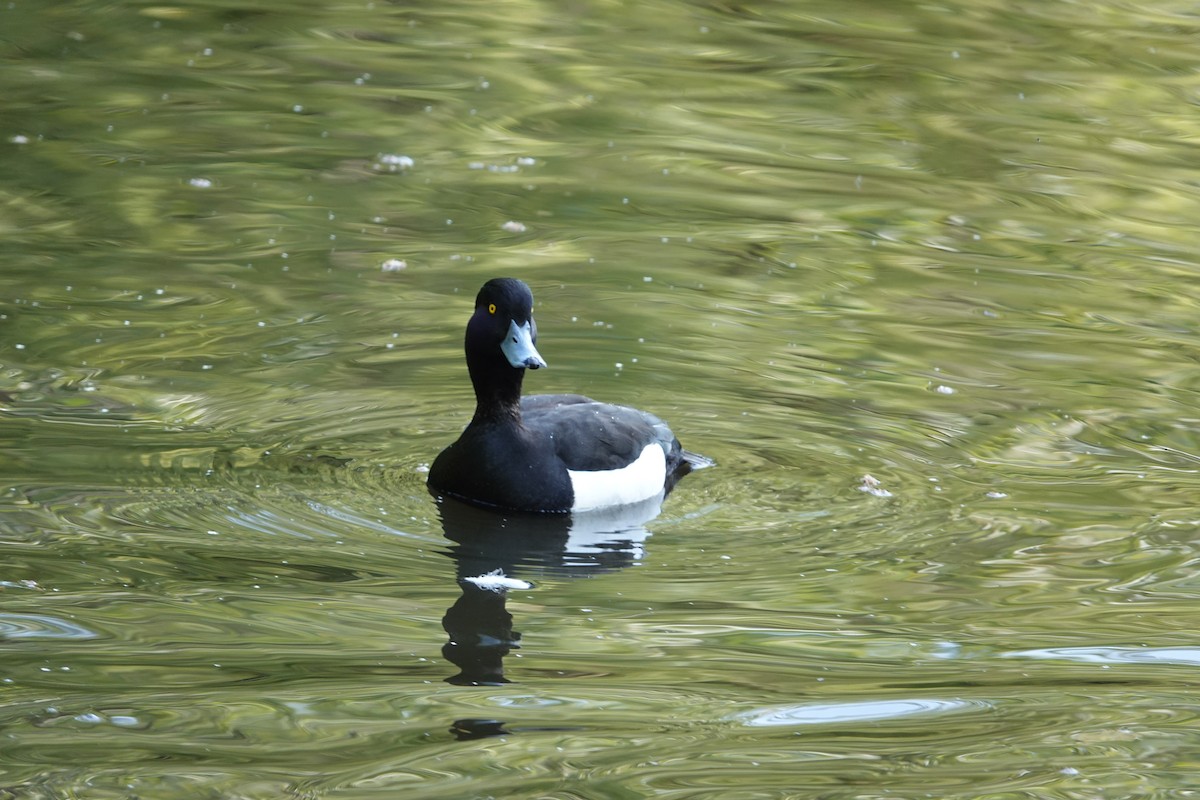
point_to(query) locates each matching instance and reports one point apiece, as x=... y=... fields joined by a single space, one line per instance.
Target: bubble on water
x=871 y=485
x=512 y=226
x=393 y=265
x=393 y=162
x=200 y=183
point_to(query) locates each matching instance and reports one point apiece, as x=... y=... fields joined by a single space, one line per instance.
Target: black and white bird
x=559 y=453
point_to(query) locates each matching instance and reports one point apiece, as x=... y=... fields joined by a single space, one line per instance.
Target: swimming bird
x=558 y=453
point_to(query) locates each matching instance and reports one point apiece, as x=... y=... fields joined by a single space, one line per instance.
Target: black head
x=500 y=347
x=502 y=326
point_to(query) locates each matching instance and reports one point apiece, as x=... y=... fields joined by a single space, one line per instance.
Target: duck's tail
x=688 y=461
x=696 y=461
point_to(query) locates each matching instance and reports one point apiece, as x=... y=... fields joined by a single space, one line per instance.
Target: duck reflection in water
x=495 y=554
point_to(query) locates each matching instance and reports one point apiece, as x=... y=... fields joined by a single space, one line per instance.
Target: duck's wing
x=591 y=436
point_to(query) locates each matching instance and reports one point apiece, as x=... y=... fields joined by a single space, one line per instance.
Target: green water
x=921 y=279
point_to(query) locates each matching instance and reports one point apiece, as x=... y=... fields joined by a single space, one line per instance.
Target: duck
x=549 y=453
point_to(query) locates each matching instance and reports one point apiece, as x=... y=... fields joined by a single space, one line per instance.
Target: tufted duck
x=550 y=453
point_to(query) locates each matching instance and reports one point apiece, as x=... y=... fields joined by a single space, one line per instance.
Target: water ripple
x=40 y=626
x=1188 y=656
x=857 y=711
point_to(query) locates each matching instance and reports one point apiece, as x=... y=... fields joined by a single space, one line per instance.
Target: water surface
x=919 y=279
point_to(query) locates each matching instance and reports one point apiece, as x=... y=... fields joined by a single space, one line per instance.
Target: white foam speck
x=495 y=581
x=392 y=162
x=871 y=485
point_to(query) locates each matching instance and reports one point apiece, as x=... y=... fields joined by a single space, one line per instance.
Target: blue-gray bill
x=518 y=347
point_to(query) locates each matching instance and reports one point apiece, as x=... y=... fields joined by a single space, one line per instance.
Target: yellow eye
x=491 y=308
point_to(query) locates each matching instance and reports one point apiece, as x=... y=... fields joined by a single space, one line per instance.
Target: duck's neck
x=497 y=391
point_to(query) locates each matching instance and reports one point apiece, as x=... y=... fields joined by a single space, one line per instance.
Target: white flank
x=639 y=481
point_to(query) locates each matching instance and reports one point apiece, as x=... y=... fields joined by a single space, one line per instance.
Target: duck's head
x=503 y=325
